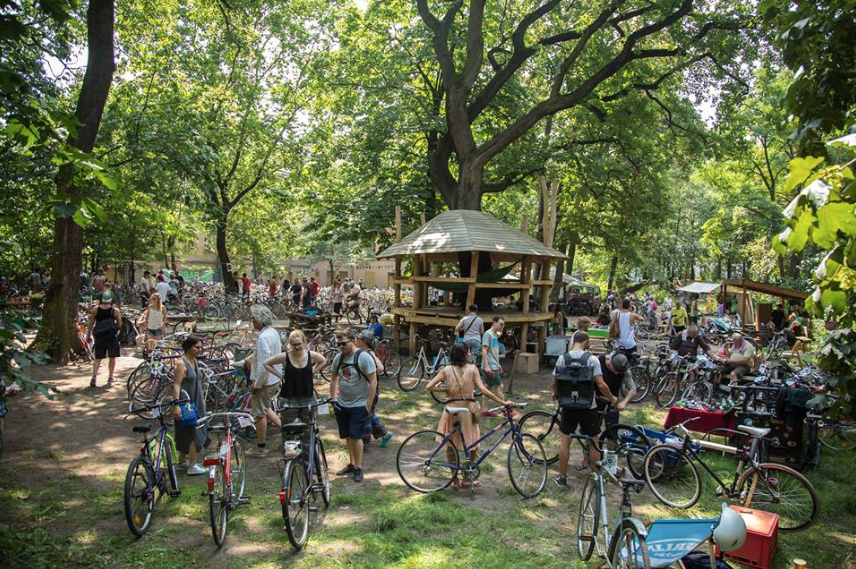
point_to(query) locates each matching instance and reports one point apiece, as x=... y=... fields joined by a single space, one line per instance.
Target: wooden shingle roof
x=468 y=230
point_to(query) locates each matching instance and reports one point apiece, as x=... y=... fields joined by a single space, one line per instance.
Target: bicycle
x=227 y=474
x=414 y=369
x=389 y=357
x=297 y=493
x=626 y=546
x=145 y=474
x=432 y=466
x=673 y=477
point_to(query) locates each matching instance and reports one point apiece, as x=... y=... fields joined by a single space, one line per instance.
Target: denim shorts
x=352 y=421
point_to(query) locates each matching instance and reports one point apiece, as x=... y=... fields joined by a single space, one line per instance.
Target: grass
x=78 y=521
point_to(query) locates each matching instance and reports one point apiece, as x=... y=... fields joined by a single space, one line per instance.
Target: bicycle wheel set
x=295 y=502
x=588 y=520
x=139 y=496
x=781 y=490
x=527 y=465
x=410 y=374
x=426 y=462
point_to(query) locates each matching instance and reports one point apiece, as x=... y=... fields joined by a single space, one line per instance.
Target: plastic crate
x=762 y=538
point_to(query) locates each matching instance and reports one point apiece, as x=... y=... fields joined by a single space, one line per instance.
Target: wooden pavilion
x=461 y=233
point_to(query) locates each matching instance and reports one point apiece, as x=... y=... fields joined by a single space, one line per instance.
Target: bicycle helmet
x=730 y=533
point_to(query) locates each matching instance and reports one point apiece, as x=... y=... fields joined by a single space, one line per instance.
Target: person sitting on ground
x=352 y=386
x=471 y=329
x=739 y=362
x=187 y=384
x=460 y=379
x=297 y=388
x=576 y=376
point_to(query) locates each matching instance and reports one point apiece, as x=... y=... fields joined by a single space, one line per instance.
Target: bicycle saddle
x=754 y=431
x=455 y=410
x=143 y=429
x=445 y=345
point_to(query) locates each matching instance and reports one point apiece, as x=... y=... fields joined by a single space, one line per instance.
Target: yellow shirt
x=679 y=316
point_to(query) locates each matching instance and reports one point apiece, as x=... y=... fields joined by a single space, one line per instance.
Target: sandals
x=92 y=383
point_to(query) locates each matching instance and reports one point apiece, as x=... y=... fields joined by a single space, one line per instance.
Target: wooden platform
x=451 y=315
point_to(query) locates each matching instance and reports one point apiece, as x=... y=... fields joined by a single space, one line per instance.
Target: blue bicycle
x=428 y=461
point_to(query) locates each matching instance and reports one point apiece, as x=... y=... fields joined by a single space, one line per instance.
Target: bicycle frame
x=310 y=467
x=694 y=455
x=511 y=428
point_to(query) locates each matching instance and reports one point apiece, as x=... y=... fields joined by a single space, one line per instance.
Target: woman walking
x=105 y=321
x=154 y=319
x=188 y=385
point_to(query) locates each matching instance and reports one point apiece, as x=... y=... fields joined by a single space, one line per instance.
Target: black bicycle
x=305 y=478
x=153 y=470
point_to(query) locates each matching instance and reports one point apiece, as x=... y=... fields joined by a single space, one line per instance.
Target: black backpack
x=575 y=383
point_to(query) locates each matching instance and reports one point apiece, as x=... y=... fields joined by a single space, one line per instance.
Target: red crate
x=762 y=538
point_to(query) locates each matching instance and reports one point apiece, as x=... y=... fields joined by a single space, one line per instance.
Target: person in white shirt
x=162 y=288
x=264 y=385
x=145 y=289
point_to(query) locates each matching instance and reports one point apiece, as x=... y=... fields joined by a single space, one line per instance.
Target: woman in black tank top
x=106 y=344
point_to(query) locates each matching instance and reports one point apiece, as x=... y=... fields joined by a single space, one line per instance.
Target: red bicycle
x=227 y=473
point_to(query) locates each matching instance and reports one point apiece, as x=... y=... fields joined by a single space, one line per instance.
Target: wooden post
x=524 y=334
x=800 y=564
x=552 y=219
x=413 y=329
x=417 y=286
x=743 y=307
x=525 y=278
x=396 y=285
x=474 y=271
x=422 y=218
x=447 y=297
x=397 y=223
x=524 y=225
x=545 y=294
x=542 y=337
x=396 y=331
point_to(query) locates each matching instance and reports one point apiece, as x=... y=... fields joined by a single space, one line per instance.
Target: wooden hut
x=471 y=235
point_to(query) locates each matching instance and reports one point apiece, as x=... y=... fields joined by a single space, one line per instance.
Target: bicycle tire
x=526 y=455
x=589 y=509
x=169 y=461
x=322 y=471
x=238 y=467
x=666 y=469
x=628 y=548
x=218 y=507
x=139 y=493
x=698 y=390
x=642 y=379
x=767 y=488
x=667 y=390
x=353 y=316
x=411 y=374
x=295 y=506
x=545 y=428
x=419 y=452
x=437 y=397
x=391 y=363
x=837 y=436
x=631 y=444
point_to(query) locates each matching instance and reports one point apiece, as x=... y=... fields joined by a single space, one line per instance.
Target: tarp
x=493 y=276
x=700 y=288
x=670 y=540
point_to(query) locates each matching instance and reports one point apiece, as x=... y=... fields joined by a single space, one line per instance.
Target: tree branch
x=475 y=44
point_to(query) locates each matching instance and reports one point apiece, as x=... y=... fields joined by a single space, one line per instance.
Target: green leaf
x=837 y=299
x=832 y=218
x=799 y=235
x=801 y=169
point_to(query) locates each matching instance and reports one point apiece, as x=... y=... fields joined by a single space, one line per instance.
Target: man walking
x=490 y=362
x=471 y=330
x=353 y=386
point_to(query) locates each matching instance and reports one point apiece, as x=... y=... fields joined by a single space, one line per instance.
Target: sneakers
x=358 y=475
x=347 y=470
x=561 y=481
x=182 y=465
x=195 y=470
x=385 y=439
x=257 y=452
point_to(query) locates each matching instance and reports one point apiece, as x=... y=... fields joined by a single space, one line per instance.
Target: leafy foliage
x=15 y=359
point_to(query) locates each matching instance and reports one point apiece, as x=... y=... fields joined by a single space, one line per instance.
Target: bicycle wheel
x=837 y=435
x=353 y=316
x=629 y=443
x=391 y=363
x=527 y=465
x=667 y=390
x=628 y=548
x=238 y=467
x=295 y=506
x=543 y=427
x=588 y=521
x=322 y=474
x=139 y=496
x=672 y=478
x=219 y=500
x=169 y=462
x=697 y=391
x=642 y=379
x=411 y=373
x=781 y=490
x=439 y=397
x=427 y=463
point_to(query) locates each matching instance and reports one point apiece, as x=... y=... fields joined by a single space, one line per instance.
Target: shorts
x=494 y=381
x=587 y=420
x=108 y=347
x=352 y=421
x=156 y=333
x=337 y=308
x=261 y=398
x=739 y=371
x=679 y=329
x=629 y=352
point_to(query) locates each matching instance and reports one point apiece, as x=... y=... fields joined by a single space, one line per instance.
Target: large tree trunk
x=223 y=255
x=558 y=278
x=57 y=331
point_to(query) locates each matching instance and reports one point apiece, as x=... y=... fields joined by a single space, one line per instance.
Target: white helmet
x=730 y=533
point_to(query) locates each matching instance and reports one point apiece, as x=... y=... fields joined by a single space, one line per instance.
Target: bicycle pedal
x=175 y=493
x=313 y=508
x=244 y=500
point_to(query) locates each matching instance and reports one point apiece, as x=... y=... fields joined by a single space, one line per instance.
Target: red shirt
x=246 y=282
x=272 y=289
x=316 y=288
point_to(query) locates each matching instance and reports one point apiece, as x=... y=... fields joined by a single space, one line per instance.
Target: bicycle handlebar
x=512 y=406
x=210 y=416
x=316 y=403
x=149 y=407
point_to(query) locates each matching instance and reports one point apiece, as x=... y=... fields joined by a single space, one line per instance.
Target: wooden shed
x=476 y=237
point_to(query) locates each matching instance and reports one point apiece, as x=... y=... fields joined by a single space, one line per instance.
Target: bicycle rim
x=218 y=507
x=295 y=506
x=672 y=478
x=391 y=363
x=527 y=466
x=139 y=499
x=588 y=520
x=169 y=461
x=426 y=464
x=781 y=490
x=410 y=374
x=629 y=443
x=836 y=436
x=322 y=473
x=237 y=467
x=628 y=549
x=541 y=425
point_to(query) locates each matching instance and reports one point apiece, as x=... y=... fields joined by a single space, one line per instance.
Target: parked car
x=584 y=299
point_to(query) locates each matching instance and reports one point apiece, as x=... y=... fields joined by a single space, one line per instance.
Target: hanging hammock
x=493 y=276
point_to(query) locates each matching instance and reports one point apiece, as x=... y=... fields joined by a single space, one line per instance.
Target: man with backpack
x=471 y=330
x=353 y=385
x=575 y=378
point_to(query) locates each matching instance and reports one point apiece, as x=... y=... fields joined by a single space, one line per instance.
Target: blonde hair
x=583 y=324
x=156 y=297
x=296 y=334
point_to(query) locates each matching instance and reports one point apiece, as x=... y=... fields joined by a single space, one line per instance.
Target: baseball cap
x=620 y=363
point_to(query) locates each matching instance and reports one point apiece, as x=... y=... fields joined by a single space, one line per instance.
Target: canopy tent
x=700 y=288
